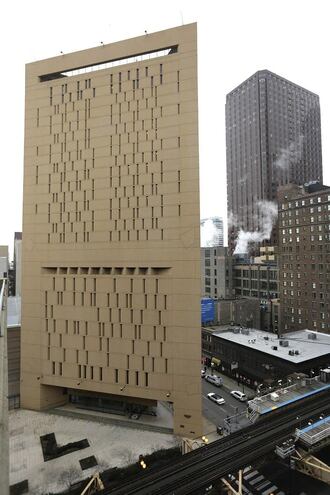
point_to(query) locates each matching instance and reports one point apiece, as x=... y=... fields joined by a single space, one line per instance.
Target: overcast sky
x=235 y=39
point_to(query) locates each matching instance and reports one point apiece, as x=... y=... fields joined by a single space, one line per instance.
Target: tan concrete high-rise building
x=111 y=251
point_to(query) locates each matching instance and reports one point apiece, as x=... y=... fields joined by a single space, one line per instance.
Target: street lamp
x=142 y=462
x=205 y=440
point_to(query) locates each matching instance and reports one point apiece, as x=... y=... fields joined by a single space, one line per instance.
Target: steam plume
x=267 y=218
x=290 y=155
x=210 y=232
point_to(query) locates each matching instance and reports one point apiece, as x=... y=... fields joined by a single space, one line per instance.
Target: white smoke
x=232 y=220
x=290 y=155
x=209 y=233
x=267 y=218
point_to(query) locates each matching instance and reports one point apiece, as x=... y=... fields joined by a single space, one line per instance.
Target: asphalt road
x=214 y=412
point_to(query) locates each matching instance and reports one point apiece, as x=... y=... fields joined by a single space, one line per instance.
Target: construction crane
x=95 y=484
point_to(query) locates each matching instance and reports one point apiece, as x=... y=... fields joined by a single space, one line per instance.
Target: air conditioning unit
x=266 y=338
x=291 y=352
x=312 y=336
x=284 y=343
x=274 y=347
x=274 y=397
x=245 y=331
x=297 y=352
x=236 y=330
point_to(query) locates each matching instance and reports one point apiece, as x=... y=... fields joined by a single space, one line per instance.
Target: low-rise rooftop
x=295 y=347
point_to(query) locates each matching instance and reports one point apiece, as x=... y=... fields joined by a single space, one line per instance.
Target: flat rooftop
x=306 y=343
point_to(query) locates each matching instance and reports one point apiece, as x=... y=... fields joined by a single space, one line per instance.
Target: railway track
x=204 y=466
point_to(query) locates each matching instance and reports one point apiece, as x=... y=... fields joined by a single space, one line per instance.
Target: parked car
x=203 y=373
x=216 y=380
x=216 y=398
x=238 y=395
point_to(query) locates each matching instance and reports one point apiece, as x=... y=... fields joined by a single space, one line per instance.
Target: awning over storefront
x=215 y=361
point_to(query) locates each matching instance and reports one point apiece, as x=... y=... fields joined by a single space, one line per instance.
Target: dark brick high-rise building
x=273 y=137
x=304 y=253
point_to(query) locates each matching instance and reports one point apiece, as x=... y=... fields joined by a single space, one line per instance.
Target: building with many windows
x=273 y=137
x=111 y=252
x=256 y=280
x=304 y=250
x=216 y=270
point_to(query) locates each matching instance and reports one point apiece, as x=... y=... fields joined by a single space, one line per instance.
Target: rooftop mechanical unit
x=284 y=343
x=325 y=375
x=285 y=449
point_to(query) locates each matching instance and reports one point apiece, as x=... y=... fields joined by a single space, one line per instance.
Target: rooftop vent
x=312 y=336
x=245 y=331
x=284 y=343
x=291 y=352
x=236 y=330
x=297 y=352
x=274 y=347
x=266 y=338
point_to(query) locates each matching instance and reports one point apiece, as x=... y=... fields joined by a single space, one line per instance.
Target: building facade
x=273 y=137
x=14 y=350
x=243 y=311
x=4 y=261
x=256 y=280
x=17 y=263
x=216 y=271
x=304 y=251
x=4 y=435
x=111 y=252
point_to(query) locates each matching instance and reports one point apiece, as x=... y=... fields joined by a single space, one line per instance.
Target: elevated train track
x=208 y=464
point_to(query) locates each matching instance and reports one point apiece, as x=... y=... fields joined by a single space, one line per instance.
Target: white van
x=216 y=380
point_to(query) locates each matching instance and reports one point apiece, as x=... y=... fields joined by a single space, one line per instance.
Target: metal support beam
x=310 y=465
x=231 y=488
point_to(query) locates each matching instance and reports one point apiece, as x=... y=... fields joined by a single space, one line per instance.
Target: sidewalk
x=231 y=384
x=161 y=423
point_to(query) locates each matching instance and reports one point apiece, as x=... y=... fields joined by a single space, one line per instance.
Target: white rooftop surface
x=112 y=446
x=308 y=349
x=14 y=311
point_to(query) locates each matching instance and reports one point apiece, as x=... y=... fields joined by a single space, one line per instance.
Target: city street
x=215 y=413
